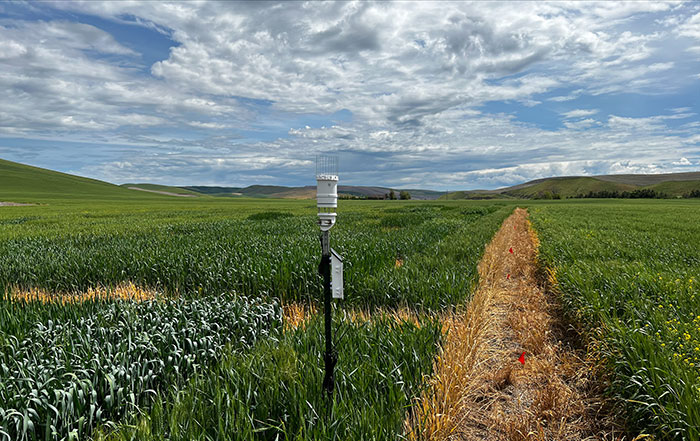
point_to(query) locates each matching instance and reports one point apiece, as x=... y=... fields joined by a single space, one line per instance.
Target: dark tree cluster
x=642 y=193
x=548 y=195
x=346 y=196
x=403 y=195
x=692 y=194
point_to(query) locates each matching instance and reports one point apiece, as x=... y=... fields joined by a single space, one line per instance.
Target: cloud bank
x=428 y=94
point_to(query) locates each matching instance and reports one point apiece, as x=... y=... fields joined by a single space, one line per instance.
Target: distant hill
x=307 y=192
x=21 y=183
x=670 y=184
x=474 y=195
x=257 y=191
x=162 y=189
x=215 y=191
x=568 y=187
x=649 y=180
x=24 y=183
x=676 y=188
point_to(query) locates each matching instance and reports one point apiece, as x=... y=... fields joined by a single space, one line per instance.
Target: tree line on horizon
x=642 y=193
x=391 y=195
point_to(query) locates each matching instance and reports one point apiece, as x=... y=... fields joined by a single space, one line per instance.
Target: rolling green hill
x=668 y=184
x=27 y=184
x=649 y=180
x=676 y=188
x=567 y=187
x=21 y=183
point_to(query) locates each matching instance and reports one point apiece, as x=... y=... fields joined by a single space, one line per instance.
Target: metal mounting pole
x=330 y=357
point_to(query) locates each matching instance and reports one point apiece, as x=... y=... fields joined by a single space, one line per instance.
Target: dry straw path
x=480 y=390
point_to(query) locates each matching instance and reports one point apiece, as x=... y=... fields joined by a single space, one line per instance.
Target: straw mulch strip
x=480 y=391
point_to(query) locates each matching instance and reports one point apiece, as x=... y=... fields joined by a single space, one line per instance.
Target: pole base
x=330 y=359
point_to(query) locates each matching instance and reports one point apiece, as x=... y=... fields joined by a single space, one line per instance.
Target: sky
x=438 y=95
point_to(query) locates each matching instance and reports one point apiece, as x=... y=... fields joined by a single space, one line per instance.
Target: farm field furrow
x=506 y=372
x=209 y=345
x=628 y=275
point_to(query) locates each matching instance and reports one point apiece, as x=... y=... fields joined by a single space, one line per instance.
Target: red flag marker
x=511 y=250
x=514 y=227
x=508 y=276
x=522 y=358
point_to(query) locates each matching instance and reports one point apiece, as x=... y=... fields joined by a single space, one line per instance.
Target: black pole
x=330 y=357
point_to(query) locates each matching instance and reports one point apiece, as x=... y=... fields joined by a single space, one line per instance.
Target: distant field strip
x=167 y=193
x=628 y=274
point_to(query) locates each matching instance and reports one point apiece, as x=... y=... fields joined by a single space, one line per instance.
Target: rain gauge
x=331 y=266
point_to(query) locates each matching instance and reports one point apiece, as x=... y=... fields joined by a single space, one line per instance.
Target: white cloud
x=691 y=27
x=656 y=67
x=394 y=61
x=681 y=109
x=647 y=123
x=581 y=124
x=579 y=113
x=683 y=161
x=563 y=98
x=620 y=122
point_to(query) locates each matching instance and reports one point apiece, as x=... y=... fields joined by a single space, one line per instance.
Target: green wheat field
x=199 y=349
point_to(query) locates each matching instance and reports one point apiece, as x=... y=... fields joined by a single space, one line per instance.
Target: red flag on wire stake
x=522 y=358
x=508 y=276
x=510 y=250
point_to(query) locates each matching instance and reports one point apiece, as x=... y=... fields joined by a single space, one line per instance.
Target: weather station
x=331 y=266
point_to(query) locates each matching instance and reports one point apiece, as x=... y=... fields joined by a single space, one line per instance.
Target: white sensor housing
x=326 y=200
x=326 y=190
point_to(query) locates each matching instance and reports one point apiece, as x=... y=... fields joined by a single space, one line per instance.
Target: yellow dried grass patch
x=295 y=315
x=125 y=291
x=398 y=315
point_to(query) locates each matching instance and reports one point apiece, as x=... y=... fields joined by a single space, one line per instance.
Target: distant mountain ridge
x=281 y=192
x=307 y=192
x=670 y=184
